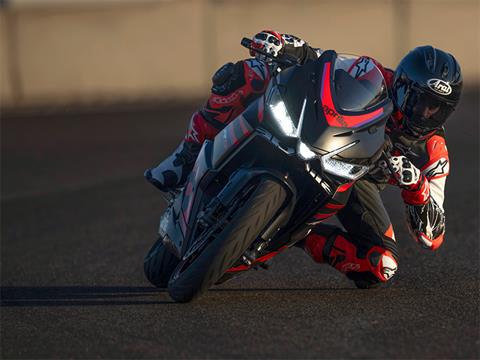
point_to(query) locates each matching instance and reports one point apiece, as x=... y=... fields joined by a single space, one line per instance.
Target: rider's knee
x=382 y=266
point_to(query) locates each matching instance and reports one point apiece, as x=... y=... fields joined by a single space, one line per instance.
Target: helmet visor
x=426 y=112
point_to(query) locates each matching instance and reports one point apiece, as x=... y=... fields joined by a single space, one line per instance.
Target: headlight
x=304 y=151
x=280 y=113
x=343 y=169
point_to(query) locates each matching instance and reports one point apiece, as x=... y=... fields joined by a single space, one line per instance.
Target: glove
x=270 y=42
x=405 y=173
x=415 y=186
x=426 y=224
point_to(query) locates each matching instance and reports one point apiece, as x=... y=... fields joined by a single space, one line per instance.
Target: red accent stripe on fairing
x=231 y=132
x=346 y=121
x=261 y=108
x=345 y=187
x=321 y=216
x=334 y=206
x=245 y=130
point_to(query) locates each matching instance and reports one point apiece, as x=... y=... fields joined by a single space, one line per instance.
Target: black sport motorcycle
x=287 y=163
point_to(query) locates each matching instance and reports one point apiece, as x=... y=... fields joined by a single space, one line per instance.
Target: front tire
x=228 y=246
x=159 y=264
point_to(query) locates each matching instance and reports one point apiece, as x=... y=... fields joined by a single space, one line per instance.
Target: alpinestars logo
x=363 y=66
x=389 y=267
x=439 y=86
x=258 y=67
x=438 y=168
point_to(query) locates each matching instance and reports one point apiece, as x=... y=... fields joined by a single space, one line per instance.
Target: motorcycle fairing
x=326 y=126
x=231 y=136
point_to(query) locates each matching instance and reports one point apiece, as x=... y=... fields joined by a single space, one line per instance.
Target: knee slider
x=383 y=262
x=381 y=267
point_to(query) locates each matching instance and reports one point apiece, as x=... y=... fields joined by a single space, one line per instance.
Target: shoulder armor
x=228 y=78
x=223 y=74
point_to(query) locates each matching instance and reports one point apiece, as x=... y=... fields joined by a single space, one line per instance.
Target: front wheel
x=191 y=279
x=159 y=264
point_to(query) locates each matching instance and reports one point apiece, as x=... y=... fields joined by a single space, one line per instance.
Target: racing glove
x=415 y=186
x=425 y=219
x=299 y=49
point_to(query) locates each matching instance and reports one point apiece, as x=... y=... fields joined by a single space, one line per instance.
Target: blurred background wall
x=58 y=52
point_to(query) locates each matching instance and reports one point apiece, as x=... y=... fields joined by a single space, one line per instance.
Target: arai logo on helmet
x=439 y=86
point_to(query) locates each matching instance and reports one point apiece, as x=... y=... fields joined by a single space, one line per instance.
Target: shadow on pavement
x=24 y=296
x=21 y=296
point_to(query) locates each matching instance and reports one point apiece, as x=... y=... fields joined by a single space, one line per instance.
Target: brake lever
x=390 y=168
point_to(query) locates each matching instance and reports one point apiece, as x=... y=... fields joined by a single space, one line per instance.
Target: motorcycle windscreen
x=359 y=84
x=352 y=88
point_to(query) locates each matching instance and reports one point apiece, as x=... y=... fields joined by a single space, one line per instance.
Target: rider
x=425 y=89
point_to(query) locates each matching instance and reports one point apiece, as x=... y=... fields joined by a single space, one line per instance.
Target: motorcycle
x=287 y=163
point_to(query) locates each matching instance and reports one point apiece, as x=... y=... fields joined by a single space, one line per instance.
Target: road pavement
x=77 y=218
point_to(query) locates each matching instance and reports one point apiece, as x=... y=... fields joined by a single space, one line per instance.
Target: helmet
x=426 y=88
x=270 y=42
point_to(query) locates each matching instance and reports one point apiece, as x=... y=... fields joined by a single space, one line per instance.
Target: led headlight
x=304 y=151
x=341 y=168
x=280 y=113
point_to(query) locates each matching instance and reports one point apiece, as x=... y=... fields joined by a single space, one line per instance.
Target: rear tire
x=246 y=225
x=159 y=264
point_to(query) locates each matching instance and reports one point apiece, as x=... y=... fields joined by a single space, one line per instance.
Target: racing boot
x=172 y=173
x=367 y=265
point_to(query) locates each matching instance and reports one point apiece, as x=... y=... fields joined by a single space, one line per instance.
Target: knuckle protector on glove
x=406 y=172
x=406 y=177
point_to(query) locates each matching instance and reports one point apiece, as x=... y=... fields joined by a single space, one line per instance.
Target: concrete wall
x=5 y=81
x=83 y=52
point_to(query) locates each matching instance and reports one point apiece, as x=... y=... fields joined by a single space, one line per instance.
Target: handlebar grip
x=246 y=42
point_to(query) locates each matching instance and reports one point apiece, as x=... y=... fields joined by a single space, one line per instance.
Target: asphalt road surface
x=78 y=217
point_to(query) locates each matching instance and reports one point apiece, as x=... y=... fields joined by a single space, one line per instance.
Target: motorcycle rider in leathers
x=425 y=89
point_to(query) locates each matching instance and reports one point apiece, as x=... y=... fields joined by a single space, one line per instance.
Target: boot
x=172 y=173
x=366 y=264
